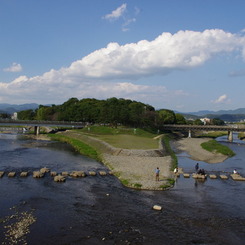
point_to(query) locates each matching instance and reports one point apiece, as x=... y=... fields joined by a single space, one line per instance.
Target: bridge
x=37 y=124
x=229 y=128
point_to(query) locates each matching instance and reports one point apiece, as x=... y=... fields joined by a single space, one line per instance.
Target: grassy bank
x=166 y=142
x=121 y=137
x=78 y=145
x=214 y=146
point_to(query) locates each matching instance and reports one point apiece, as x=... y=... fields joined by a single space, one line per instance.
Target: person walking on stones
x=157 y=171
x=197 y=167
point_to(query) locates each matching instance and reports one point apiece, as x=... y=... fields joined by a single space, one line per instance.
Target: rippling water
x=99 y=210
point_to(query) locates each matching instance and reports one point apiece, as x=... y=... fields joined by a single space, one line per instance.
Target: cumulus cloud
x=222 y=99
x=13 y=68
x=117 y=13
x=111 y=71
x=183 y=50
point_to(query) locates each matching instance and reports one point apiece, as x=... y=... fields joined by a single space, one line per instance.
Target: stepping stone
x=53 y=173
x=65 y=174
x=1 y=174
x=213 y=176
x=38 y=174
x=186 y=175
x=92 y=173
x=11 y=174
x=59 y=178
x=222 y=176
x=198 y=176
x=102 y=173
x=44 y=170
x=110 y=173
x=237 y=177
x=23 y=174
x=78 y=174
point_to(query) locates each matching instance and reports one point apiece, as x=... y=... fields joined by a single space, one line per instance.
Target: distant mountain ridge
x=237 y=115
x=11 y=108
x=220 y=112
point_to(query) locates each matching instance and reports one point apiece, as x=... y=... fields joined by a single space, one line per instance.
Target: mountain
x=221 y=112
x=225 y=115
x=11 y=108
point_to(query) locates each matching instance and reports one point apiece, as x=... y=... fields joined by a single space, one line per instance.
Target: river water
x=99 y=210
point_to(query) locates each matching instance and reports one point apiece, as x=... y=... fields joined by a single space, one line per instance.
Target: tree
x=166 y=116
x=180 y=119
x=217 y=121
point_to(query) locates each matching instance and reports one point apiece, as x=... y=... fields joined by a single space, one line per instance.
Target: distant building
x=14 y=116
x=205 y=120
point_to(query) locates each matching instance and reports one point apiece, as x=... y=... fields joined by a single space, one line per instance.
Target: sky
x=182 y=55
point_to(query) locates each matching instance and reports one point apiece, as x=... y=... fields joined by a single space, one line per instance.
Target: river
x=99 y=210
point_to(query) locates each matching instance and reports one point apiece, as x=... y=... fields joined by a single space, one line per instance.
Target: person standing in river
x=157 y=171
x=197 y=167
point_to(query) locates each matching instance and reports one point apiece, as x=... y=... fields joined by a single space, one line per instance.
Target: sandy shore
x=193 y=147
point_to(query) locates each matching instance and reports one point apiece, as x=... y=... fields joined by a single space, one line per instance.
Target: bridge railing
x=37 y=122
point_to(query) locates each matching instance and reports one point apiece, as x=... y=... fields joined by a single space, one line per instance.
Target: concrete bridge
x=229 y=128
x=37 y=124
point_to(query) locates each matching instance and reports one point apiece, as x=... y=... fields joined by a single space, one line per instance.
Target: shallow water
x=99 y=210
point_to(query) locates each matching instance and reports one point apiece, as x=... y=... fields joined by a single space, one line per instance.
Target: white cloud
x=103 y=73
x=117 y=13
x=13 y=68
x=222 y=99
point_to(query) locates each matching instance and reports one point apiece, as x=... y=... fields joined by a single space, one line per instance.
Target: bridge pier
x=189 y=134
x=37 y=130
x=230 y=136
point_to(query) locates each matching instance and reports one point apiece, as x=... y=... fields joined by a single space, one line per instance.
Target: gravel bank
x=193 y=147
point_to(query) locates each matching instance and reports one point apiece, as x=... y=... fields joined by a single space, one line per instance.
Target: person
x=176 y=170
x=157 y=171
x=197 y=167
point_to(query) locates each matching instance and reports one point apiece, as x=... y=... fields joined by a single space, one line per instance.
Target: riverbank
x=193 y=147
x=136 y=168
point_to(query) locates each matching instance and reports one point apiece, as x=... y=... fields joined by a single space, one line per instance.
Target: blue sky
x=184 y=55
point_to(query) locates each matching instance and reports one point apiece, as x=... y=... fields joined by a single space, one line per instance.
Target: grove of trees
x=112 y=111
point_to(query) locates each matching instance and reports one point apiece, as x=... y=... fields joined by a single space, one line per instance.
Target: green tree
x=166 y=116
x=180 y=119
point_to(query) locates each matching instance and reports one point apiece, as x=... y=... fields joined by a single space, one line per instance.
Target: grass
x=78 y=145
x=166 y=142
x=214 y=146
x=121 y=137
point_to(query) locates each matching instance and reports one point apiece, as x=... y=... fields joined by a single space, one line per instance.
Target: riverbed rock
x=157 y=207
x=198 y=176
x=37 y=174
x=59 y=178
x=76 y=174
x=92 y=173
x=53 y=173
x=44 y=170
x=1 y=174
x=23 y=174
x=65 y=173
x=186 y=175
x=237 y=177
x=213 y=176
x=102 y=173
x=224 y=177
x=11 y=174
